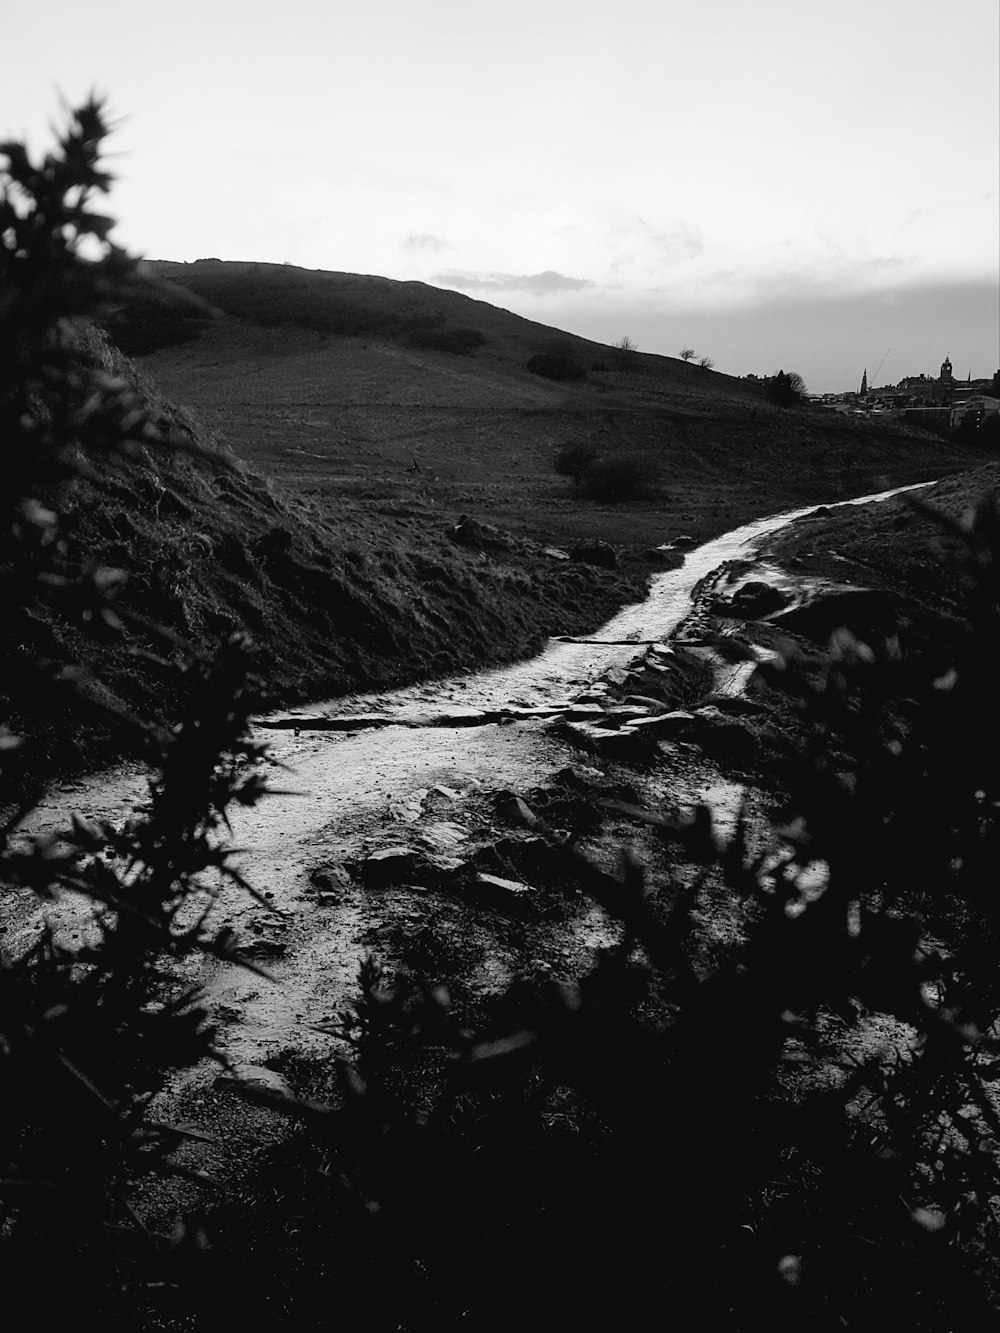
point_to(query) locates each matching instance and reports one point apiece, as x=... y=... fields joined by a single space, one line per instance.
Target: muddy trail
x=397 y=832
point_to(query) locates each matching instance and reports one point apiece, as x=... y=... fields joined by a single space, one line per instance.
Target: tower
x=864 y=384
x=946 y=370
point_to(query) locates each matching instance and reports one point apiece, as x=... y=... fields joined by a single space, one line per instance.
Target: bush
x=700 y=1124
x=559 y=366
x=617 y=477
x=785 y=390
x=573 y=460
x=87 y=1032
x=461 y=342
x=680 y=1125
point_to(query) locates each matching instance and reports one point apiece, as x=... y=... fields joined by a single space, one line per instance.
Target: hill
x=324 y=517
x=330 y=383
x=204 y=546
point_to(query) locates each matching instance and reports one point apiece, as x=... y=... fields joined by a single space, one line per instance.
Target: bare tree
x=687 y=353
x=627 y=351
x=706 y=362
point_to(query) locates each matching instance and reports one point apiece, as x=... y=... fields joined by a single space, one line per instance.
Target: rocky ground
x=450 y=840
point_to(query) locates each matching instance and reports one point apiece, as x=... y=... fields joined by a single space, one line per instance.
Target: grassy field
x=324 y=522
x=279 y=368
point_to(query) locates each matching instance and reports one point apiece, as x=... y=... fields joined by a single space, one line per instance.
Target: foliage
x=683 y=1126
x=573 y=459
x=687 y=353
x=617 y=477
x=627 y=354
x=785 y=390
x=462 y=342
x=559 y=365
x=88 y=1022
x=609 y=477
x=708 y=1128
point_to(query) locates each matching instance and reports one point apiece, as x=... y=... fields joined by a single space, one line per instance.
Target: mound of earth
x=335 y=601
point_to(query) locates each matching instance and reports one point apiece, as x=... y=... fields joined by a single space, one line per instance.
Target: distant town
x=936 y=402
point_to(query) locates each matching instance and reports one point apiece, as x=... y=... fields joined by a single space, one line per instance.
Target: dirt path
x=428 y=787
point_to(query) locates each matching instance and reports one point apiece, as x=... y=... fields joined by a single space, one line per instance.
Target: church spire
x=864 y=384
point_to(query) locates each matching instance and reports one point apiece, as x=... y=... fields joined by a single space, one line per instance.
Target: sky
x=801 y=184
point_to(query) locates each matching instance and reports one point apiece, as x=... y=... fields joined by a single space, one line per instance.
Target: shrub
x=460 y=342
x=86 y=1030
x=573 y=459
x=785 y=390
x=627 y=354
x=756 y=1161
x=559 y=366
x=617 y=477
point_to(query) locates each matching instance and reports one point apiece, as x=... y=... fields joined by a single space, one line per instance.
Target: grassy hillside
x=324 y=521
x=209 y=547
x=323 y=382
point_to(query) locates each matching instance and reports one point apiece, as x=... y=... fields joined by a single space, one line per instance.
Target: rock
x=444 y=835
x=462 y=717
x=709 y=713
x=678 y=722
x=583 y=712
x=862 y=610
x=470 y=532
x=328 y=879
x=529 y=855
x=342 y=722
x=737 y=703
x=410 y=807
x=626 y=746
x=526 y=713
x=555 y=553
x=610 y=743
x=624 y=712
x=391 y=865
x=684 y=541
x=754 y=600
x=646 y=703
x=599 y=553
x=263 y=948
x=254 y=1076
x=663 y=556
x=498 y=892
x=443 y=871
x=580 y=776
x=511 y=807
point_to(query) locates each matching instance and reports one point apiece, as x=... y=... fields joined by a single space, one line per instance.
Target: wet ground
x=417 y=770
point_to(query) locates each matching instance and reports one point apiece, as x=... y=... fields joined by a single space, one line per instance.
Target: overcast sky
x=778 y=183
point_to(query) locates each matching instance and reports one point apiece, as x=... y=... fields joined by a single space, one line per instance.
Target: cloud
x=548 y=283
x=678 y=241
x=827 y=336
x=425 y=242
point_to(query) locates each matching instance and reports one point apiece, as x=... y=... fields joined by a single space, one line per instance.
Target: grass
x=341 y=416
x=342 y=461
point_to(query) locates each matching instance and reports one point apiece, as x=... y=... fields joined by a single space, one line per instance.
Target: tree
x=785 y=390
x=706 y=362
x=627 y=352
x=687 y=353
